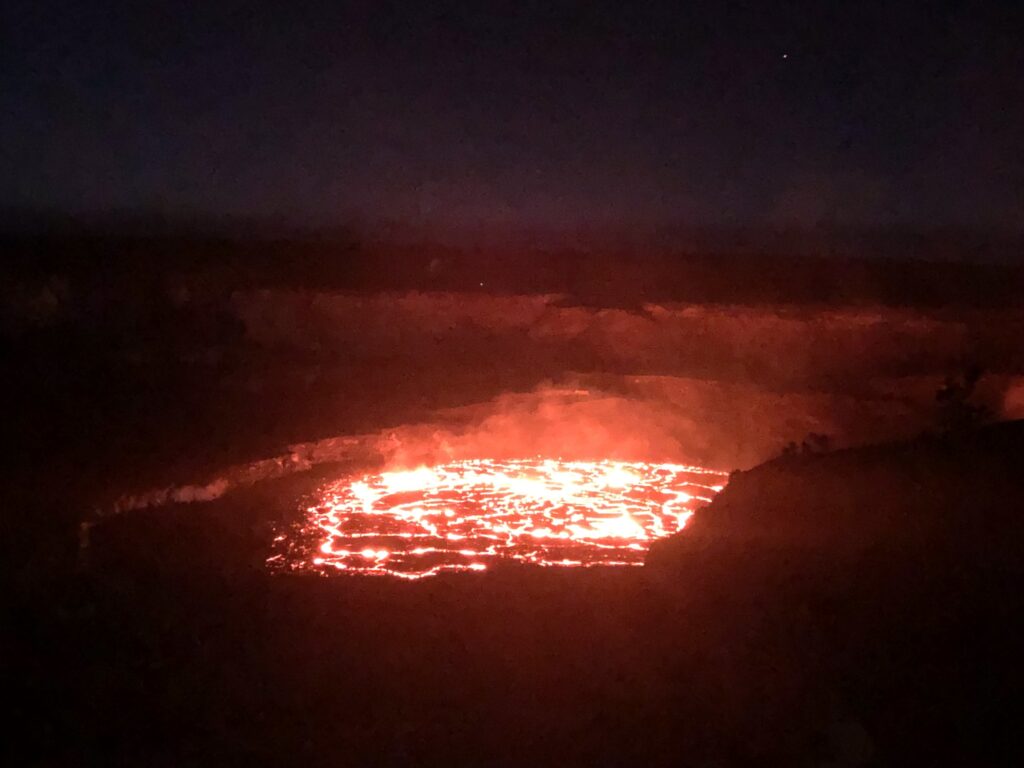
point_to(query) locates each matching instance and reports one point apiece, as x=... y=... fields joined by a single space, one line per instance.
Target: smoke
x=551 y=422
x=719 y=425
x=652 y=418
x=723 y=387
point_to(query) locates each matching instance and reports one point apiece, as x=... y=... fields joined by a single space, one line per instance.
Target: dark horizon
x=942 y=242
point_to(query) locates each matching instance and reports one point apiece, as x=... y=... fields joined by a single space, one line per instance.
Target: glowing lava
x=464 y=515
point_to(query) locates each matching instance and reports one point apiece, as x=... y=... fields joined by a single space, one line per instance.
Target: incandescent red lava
x=465 y=515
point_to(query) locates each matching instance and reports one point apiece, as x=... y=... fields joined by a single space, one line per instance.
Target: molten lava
x=464 y=515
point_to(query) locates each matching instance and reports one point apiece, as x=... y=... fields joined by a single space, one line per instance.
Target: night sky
x=519 y=114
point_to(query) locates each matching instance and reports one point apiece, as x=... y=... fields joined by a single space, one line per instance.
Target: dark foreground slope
x=898 y=569
x=955 y=496
x=847 y=609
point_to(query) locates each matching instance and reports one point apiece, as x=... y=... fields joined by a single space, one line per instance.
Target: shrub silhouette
x=812 y=444
x=956 y=412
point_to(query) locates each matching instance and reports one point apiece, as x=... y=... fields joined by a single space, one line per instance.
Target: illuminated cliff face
x=464 y=516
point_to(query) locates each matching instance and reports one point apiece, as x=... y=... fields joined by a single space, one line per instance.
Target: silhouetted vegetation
x=814 y=443
x=958 y=412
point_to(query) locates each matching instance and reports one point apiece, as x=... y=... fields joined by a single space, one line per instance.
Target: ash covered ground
x=812 y=618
